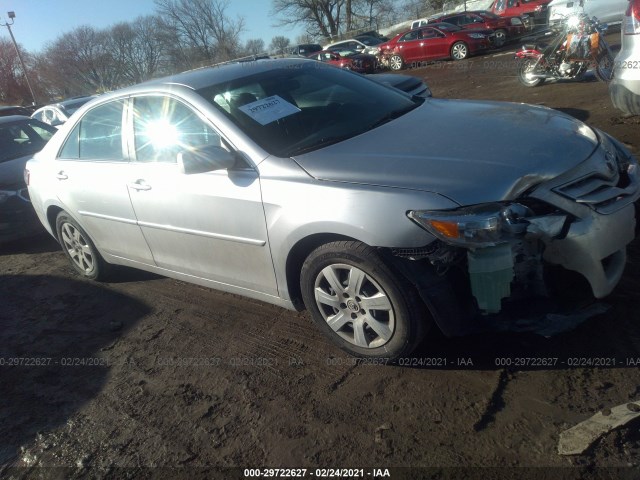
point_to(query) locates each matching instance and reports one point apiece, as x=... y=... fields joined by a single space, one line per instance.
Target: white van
x=607 y=11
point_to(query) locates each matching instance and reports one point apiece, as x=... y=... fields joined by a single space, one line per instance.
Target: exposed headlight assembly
x=476 y=226
x=476 y=35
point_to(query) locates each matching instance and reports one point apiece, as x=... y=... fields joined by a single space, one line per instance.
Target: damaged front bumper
x=580 y=221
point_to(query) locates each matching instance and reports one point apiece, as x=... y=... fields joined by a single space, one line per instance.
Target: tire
x=395 y=62
x=363 y=306
x=604 y=67
x=80 y=249
x=501 y=38
x=526 y=66
x=459 y=51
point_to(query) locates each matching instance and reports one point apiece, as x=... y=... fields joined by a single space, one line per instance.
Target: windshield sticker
x=269 y=109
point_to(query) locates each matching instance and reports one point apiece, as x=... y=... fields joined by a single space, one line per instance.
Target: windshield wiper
x=392 y=116
x=323 y=142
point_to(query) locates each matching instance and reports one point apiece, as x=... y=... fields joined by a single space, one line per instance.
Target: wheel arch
x=296 y=257
x=52 y=214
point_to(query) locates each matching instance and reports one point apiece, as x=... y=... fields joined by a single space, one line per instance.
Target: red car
x=505 y=28
x=358 y=62
x=433 y=42
x=535 y=9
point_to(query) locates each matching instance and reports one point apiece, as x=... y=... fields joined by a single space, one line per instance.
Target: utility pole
x=11 y=16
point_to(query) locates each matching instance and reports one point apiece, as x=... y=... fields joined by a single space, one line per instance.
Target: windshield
x=370 y=41
x=19 y=139
x=446 y=27
x=289 y=111
x=490 y=15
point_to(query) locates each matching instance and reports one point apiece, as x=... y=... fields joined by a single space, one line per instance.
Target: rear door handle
x=139 y=185
x=61 y=175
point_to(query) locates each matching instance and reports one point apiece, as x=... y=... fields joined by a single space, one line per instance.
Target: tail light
x=632 y=19
x=27 y=176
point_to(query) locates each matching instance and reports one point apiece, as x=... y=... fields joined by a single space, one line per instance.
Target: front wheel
x=395 y=62
x=459 y=51
x=79 y=249
x=501 y=38
x=604 y=67
x=360 y=303
x=526 y=72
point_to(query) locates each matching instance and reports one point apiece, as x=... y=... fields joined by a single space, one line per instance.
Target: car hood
x=12 y=171
x=469 y=151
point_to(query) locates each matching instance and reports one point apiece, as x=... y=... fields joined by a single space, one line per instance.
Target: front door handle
x=139 y=185
x=61 y=175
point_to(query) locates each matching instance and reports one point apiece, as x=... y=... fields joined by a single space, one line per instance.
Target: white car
x=364 y=44
x=625 y=87
x=58 y=113
x=607 y=11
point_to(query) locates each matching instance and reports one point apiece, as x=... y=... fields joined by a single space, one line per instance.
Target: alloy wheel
x=78 y=248
x=459 y=51
x=395 y=62
x=354 y=305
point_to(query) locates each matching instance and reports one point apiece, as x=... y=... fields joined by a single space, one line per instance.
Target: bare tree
x=279 y=44
x=254 y=46
x=13 y=88
x=204 y=26
x=374 y=14
x=304 y=38
x=82 y=61
x=321 y=17
x=138 y=50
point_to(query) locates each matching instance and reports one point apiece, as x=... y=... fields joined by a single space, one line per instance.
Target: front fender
x=376 y=216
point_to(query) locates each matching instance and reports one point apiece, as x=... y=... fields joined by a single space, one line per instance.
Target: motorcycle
x=579 y=44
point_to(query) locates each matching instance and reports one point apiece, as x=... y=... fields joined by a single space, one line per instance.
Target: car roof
x=345 y=41
x=207 y=76
x=73 y=100
x=13 y=118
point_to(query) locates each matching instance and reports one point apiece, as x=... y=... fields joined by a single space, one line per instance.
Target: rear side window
x=98 y=136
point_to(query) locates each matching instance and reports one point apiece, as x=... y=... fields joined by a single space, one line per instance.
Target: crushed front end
x=533 y=255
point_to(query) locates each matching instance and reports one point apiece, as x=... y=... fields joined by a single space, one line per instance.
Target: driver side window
x=163 y=127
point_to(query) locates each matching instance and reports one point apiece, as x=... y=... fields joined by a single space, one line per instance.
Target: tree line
x=180 y=35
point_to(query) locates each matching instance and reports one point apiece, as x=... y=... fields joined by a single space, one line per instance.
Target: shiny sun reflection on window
x=161 y=133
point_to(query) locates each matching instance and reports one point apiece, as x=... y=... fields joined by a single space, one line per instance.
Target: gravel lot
x=113 y=379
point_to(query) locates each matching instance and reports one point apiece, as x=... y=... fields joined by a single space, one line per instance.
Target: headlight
x=5 y=194
x=476 y=35
x=477 y=226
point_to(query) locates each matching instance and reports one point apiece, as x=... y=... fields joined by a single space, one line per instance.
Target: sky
x=39 y=22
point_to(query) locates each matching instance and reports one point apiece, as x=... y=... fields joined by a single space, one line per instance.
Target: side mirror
x=207 y=158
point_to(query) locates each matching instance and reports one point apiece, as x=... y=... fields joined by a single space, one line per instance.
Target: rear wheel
x=360 y=303
x=526 y=70
x=604 y=67
x=459 y=51
x=79 y=249
x=395 y=62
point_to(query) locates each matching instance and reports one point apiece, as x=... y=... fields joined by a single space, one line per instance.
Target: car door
x=210 y=225
x=434 y=44
x=91 y=168
x=410 y=46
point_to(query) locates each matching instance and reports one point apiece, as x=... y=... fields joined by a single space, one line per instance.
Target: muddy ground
x=130 y=378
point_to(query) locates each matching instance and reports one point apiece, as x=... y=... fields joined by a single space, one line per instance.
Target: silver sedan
x=304 y=185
